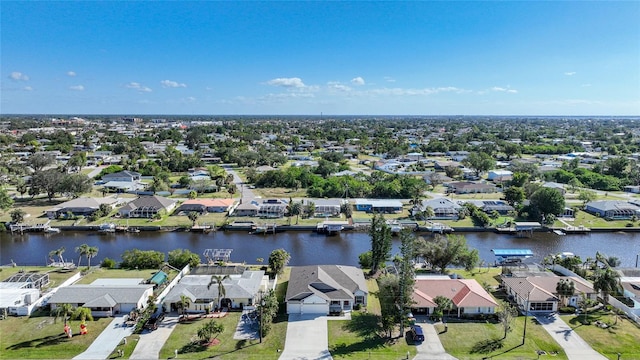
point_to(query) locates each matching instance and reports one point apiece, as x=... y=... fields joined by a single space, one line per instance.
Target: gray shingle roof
x=86 y=294
x=241 y=286
x=153 y=202
x=326 y=281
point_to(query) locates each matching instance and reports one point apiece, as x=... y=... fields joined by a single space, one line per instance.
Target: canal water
x=305 y=248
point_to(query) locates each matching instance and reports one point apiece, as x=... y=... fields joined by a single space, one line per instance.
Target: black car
x=416 y=333
x=155 y=320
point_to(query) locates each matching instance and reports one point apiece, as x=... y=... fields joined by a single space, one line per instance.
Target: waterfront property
x=378 y=206
x=105 y=297
x=147 y=207
x=240 y=290
x=80 y=207
x=205 y=206
x=443 y=208
x=613 y=209
x=467 y=295
x=325 y=289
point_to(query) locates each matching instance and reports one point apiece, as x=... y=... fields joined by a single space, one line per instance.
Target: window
x=346 y=303
x=360 y=299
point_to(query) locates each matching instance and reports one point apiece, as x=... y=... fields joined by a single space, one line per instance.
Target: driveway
x=431 y=348
x=307 y=338
x=108 y=340
x=151 y=342
x=574 y=346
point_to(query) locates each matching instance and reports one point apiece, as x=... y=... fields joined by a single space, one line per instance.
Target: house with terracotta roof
x=467 y=295
x=205 y=205
x=538 y=293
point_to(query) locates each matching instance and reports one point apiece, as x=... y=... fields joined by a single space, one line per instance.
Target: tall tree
x=406 y=272
x=6 y=202
x=606 y=281
x=296 y=209
x=565 y=289
x=448 y=250
x=479 y=162
x=547 y=201
x=82 y=251
x=193 y=216
x=210 y=330
x=380 y=234
x=92 y=252
x=222 y=291
x=62 y=311
x=443 y=304
x=506 y=313
x=278 y=259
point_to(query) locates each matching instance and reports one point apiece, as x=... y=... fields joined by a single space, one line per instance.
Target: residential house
x=378 y=206
x=324 y=207
x=272 y=208
x=441 y=165
x=125 y=176
x=80 y=206
x=325 y=289
x=246 y=208
x=147 y=207
x=539 y=292
x=467 y=295
x=205 y=206
x=500 y=176
x=467 y=187
x=557 y=186
x=15 y=298
x=443 y=208
x=613 y=209
x=489 y=206
x=240 y=290
x=121 y=296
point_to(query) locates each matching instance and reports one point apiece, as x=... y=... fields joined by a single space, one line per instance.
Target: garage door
x=314 y=309
x=293 y=308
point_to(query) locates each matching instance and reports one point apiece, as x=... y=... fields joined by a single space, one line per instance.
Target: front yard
x=622 y=337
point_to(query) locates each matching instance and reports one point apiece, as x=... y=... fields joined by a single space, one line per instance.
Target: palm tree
x=606 y=281
x=58 y=252
x=209 y=330
x=92 y=252
x=184 y=303
x=63 y=311
x=231 y=189
x=565 y=289
x=311 y=209
x=218 y=279
x=82 y=251
x=444 y=304
x=296 y=209
x=427 y=213
x=193 y=216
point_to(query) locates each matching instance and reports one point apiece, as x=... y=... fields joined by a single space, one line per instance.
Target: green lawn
x=473 y=340
x=38 y=337
x=359 y=338
x=623 y=337
x=184 y=335
x=101 y=273
x=590 y=221
x=482 y=275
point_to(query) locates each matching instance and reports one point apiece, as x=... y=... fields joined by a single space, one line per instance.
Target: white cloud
x=172 y=84
x=389 y=79
x=27 y=88
x=415 y=92
x=357 y=81
x=18 y=76
x=334 y=85
x=287 y=82
x=137 y=86
x=76 y=87
x=507 y=90
x=570 y=73
x=71 y=73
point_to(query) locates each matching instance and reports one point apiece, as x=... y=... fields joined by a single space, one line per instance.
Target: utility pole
x=526 y=312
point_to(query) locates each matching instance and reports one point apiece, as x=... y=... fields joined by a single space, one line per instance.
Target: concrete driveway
x=151 y=342
x=431 y=348
x=307 y=338
x=108 y=340
x=574 y=346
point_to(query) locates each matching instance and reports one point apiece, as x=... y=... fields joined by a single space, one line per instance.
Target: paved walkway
x=247 y=328
x=431 y=348
x=151 y=342
x=107 y=341
x=574 y=346
x=307 y=338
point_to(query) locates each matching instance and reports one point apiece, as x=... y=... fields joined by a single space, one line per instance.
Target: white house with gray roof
x=147 y=207
x=104 y=300
x=323 y=289
x=240 y=290
x=80 y=206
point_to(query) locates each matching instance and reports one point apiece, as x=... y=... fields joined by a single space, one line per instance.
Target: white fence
x=627 y=310
x=186 y=270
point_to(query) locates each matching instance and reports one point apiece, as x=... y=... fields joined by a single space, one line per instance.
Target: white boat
x=559 y=232
x=107 y=228
x=52 y=230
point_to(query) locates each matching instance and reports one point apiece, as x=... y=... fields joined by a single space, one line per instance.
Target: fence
x=627 y=310
x=173 y=283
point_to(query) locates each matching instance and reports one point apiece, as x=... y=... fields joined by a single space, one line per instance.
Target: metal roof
x=512 y=252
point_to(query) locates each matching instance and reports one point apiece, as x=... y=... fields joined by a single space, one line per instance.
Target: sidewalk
x=104 y=344
x=151 y=342
x=574 y=346
x=431 y=348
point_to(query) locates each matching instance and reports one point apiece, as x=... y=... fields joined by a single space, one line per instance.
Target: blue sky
x=396 y=58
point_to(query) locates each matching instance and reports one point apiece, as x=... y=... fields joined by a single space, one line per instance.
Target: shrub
x=2 y=228
x=567 y=310
x=108 y=263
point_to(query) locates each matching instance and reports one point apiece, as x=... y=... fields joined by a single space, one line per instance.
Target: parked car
x=156 y=318
x=416 y=333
